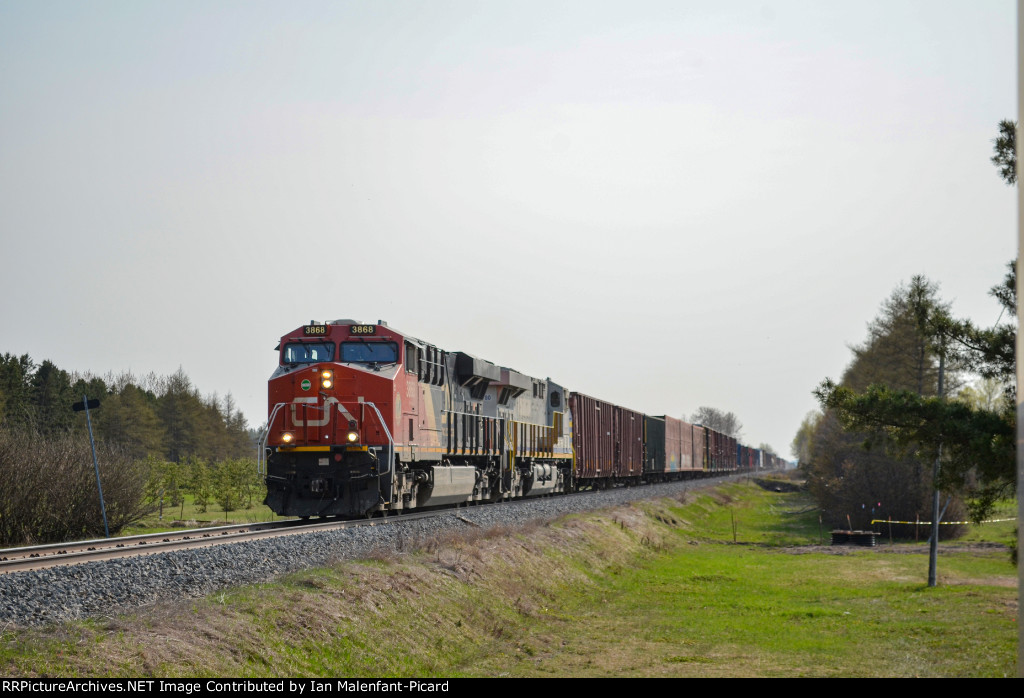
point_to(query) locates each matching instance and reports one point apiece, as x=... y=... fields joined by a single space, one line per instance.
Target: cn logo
x=313 y=409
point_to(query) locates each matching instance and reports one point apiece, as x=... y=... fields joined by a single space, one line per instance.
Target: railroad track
x=73 y=553
x=77 y=552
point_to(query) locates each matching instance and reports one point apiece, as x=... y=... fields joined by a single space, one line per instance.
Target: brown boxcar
x=607 y=439
x=720 y=452
x=712 y=449
x=689 y=458
x=700 y=448
x=670 y=446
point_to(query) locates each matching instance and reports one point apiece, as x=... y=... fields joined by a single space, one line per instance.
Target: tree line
x=161 y=416
x=158 y=439
x=924 y=389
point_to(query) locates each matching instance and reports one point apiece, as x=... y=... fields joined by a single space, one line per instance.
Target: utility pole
x=1020 y=336
x=933 y=548
x=85 y=404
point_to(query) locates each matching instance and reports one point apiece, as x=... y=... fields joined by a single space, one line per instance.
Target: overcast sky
x=661 y=204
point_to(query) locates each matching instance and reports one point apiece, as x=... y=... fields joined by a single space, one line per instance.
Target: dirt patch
x=820 y=549
x=773 y=485
x=897 y=549
x=1002 y=581
x=978 y=548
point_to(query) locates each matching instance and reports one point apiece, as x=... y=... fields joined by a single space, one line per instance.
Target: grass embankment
x=655 y=589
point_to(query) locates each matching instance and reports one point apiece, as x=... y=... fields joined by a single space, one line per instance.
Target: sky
x=661 y=204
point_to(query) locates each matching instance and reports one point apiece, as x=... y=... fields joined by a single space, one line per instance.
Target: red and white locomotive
x=366 y=419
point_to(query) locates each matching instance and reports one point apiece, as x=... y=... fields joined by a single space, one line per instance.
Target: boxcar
x=607 y=441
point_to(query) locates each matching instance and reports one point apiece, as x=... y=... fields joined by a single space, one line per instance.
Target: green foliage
x=15 y=376
x=181 y=411
x=978 y=445
x=161 y=427
x=51 y=399
x=1005 y=157
x=985 y=393
x=901 y=350
x=162 y=417
x=978 y=442
x=165 y=481
x=975 y=434
x=232 y=483
x=129 y=416
x=200 y=482
x=989 y=352
x=867 y=457
x=236 y=484
x=801 y=446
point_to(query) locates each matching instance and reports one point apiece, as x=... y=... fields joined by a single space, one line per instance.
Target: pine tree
x=858 y=473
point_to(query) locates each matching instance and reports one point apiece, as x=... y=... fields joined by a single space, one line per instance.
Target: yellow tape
x=941 y=523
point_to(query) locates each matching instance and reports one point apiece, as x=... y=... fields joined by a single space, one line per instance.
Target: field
x=727 y=582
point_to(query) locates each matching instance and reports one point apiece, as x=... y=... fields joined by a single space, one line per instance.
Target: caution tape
x=941 y=523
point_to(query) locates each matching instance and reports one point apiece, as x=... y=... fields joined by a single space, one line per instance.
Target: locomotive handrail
x=387 y=432
x=261 y=443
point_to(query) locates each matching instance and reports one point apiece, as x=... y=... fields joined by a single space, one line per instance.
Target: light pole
x=85 y=404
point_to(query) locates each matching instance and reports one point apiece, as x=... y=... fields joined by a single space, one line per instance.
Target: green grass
x=754 y=609
x=187 y=514
x=759 y=516
x=1002 y=526
x=754 y=612
x=654 y=589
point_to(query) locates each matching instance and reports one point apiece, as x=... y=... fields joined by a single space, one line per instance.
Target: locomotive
x=364 y=419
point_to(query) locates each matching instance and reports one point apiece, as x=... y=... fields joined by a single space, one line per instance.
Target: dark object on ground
x=865 y=538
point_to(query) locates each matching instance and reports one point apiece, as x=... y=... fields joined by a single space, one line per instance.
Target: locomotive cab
x=328 y=440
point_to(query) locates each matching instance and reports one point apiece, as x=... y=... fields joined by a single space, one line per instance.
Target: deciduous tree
x=725 y=422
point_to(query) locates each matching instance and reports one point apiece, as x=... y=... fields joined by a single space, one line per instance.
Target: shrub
x=49 y=488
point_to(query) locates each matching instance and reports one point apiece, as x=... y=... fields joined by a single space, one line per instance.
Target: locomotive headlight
x=286 y=437
x=352 y=436
x=327 y=378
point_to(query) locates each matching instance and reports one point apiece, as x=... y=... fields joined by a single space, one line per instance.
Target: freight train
x=364 y=419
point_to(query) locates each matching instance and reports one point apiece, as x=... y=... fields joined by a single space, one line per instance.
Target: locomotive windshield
x=369 y=352
x=308 y=352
